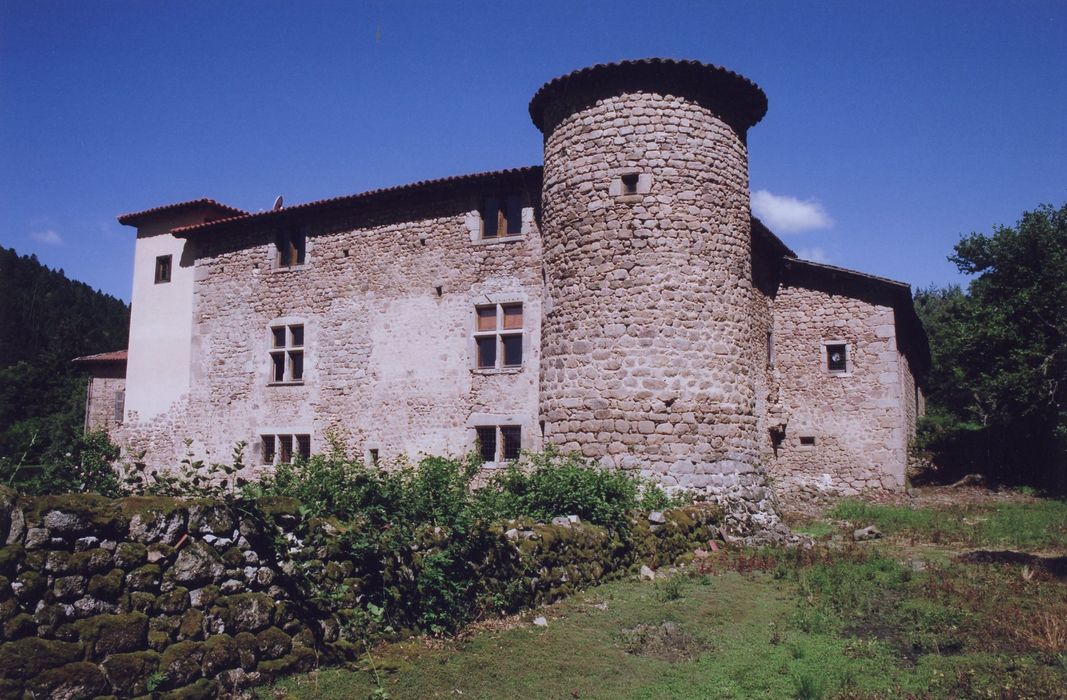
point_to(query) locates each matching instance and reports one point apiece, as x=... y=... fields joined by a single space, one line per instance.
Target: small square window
x=163 y=263
x=629 y=183
x=837 y=357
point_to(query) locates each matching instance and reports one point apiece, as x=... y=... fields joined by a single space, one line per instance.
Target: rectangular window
x=770 y=348
x=487 y=443
x=629 y=183
x=836 y=357
x=283 y=449
x=807 y=441
x=287 y=353
x=511 y=437
x=498 y=336
x=497 y=443
x=501 y=215
x=292 y=246
x=163 y=269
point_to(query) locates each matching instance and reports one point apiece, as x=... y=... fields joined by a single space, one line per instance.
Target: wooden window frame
x=498 y=334
x=290 y=353
x=504 y=210
x=290 y=248
x=164 y=269
x=284 y=448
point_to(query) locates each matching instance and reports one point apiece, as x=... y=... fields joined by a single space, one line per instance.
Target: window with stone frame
x=284 y=448
x=501 y=215
x=836 y=354
x=498 y=333
x=499 y=443
x=287 y=353
x=291 y=245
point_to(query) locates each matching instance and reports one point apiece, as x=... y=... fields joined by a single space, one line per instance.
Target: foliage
x=382 y=512
x=48 y=320
x=998 y=384
x=88 y=468
x=193 y=479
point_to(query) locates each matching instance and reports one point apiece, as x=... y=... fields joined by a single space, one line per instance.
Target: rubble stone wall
x=104 y=384
x=858 y=418
x=189 y=599
x=388 y=311
x=647 y=340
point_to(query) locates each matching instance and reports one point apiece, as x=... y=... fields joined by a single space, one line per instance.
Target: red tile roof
x=134 y=218
x=527 y=173
x=113 y=356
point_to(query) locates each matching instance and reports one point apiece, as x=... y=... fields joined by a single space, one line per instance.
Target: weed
x=669 y=589
x=808 y=686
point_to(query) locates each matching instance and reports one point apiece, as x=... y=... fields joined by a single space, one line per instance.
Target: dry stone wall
x=387 y=307
x=185 y=599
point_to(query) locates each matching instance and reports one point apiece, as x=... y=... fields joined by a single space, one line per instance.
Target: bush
x=87 y=469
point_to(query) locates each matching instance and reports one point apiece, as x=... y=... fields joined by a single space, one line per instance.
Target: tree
x=998 y=387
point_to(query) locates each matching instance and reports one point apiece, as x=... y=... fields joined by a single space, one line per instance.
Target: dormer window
x=501 y=215
x=291 y=244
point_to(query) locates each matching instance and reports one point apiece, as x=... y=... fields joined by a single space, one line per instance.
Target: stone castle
x=620 y=302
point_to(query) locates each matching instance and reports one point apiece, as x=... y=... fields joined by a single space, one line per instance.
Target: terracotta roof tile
x=113 y=356
x=133 y=218
x=533 y=171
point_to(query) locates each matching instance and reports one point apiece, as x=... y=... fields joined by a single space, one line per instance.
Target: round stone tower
x=648 y=353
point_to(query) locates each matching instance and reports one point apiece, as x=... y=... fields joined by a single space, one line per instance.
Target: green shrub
x=88 y=469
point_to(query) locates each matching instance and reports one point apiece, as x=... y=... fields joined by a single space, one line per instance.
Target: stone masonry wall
x=195 y=599
x=105 y=383
x=387 y=304
x=647 y=342
x=857 y=418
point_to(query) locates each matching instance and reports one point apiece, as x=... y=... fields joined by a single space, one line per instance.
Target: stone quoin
x=620 y=302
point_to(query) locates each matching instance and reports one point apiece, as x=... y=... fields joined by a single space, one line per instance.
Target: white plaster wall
x=161 y=317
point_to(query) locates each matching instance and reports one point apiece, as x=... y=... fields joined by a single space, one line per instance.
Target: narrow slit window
x=163 y=263
x=120 y=405
x=285 y=449
x=374 y=457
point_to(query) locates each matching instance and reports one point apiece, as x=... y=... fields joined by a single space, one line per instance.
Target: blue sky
x=893 y=127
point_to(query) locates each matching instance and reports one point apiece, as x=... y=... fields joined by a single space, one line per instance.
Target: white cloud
x=814 y=255
x=788 y=214
x=48 y=236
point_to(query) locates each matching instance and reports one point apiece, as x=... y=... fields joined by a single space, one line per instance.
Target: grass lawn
x=903 y=617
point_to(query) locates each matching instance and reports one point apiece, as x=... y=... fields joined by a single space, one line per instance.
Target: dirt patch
x=1054 y=566
x=667 y=642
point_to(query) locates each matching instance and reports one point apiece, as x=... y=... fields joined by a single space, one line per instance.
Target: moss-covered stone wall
x=197 y=598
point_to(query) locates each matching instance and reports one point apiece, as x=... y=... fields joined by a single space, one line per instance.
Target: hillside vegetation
x=46 y=321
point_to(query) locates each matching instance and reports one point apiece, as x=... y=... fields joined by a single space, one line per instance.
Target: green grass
x=1041 y=523
x=875 y=620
